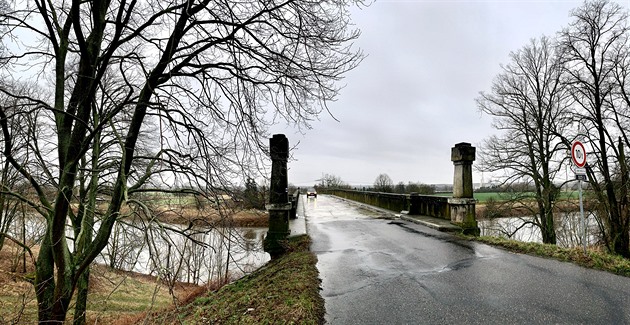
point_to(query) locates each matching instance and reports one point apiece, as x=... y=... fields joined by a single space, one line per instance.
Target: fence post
x=279 y=205
x=462 y=204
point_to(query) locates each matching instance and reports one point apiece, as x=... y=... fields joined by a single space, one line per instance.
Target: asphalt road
x=377 y=271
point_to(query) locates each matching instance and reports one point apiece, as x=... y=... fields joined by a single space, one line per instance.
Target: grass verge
x=592 y=259
x=113 y=294
x=284 y=291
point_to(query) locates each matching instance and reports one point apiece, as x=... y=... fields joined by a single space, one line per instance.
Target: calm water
x=568 y=229
x=164 y=251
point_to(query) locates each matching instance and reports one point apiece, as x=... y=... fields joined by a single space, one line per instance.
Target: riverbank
x=113 y=294
x=284 y=291
x=190 y=214
x=510 y=209
x=593 y=259
x=212 y=218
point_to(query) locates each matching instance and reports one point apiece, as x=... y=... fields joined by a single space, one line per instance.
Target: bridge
x=376 y=269
x=458 y=209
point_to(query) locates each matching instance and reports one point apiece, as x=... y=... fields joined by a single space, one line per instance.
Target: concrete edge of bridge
x=297 y=226
x=431 y=222
x=385 y=214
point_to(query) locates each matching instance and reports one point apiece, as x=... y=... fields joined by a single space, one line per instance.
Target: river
x=172 y=252
x=568 y=229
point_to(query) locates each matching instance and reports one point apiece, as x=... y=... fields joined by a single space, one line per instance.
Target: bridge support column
x=462 y=204
x=279 y=206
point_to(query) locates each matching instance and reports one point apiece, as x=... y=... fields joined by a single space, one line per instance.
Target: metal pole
x=582 y=218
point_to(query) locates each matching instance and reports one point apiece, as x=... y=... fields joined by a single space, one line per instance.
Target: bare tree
x=205 y=74
x=400 y=188
x=529 y=103
x=383 y=183
x=420 y=188
x=11 y=182
x=331 y=181
x=595 y=52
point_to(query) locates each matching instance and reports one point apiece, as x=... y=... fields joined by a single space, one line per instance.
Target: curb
x=432 y=225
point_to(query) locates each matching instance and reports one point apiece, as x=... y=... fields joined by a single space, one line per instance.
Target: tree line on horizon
x=382 y=183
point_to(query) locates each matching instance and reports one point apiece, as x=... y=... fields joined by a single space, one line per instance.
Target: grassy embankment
x=112 y=293
x=482 y=198
x=594 y=258
x=285 y=291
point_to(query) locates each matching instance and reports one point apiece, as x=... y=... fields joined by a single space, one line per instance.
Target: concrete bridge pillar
x=462 y=204
x=279 y=206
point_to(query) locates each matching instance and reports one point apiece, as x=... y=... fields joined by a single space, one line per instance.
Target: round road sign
x=578 y=154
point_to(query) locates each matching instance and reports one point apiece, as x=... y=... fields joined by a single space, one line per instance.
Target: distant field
x=482 y=197
x=500 y=196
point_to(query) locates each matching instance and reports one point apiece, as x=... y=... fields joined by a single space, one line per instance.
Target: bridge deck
x=431 y=222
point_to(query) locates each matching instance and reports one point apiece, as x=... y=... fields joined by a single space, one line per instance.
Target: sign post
x=578 y=155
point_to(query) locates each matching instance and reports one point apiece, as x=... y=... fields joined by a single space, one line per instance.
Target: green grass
x=285 y=291
x=593 y=259
x=503 y=196
x=484 y=197
x=112 y=295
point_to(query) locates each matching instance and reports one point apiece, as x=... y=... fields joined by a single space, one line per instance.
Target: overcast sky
x=413 y=97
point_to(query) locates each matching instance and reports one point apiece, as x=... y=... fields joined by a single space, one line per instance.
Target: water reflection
x=568 y=229
x=189 y=255
x=311 y=202
x=171 y=252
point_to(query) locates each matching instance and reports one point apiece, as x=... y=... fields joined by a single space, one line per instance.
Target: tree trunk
x=82 y=295
x=44 y=280
x=549 y=233
x=52 y=300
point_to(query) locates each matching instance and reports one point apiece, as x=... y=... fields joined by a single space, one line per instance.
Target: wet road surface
x=377 y=271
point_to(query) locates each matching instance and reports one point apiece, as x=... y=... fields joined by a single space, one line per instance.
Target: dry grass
x=505 y=209
x=205 y=216
x=285 y=291
x=210 y=217
x=17 y=297
x=148 y=317
x=113 y=294
x=595 y=257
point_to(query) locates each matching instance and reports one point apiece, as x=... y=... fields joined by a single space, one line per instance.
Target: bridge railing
x=459 y=209
x=293 y=199
x=415 y=204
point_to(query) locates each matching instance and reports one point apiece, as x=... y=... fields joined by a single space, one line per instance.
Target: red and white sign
x=578 y=154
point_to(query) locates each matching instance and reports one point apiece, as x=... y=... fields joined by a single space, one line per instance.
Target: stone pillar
x=463 y=155
x=462 y=204
x=279 y=205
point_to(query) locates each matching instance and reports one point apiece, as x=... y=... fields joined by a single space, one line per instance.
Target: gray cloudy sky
x=412 y=98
